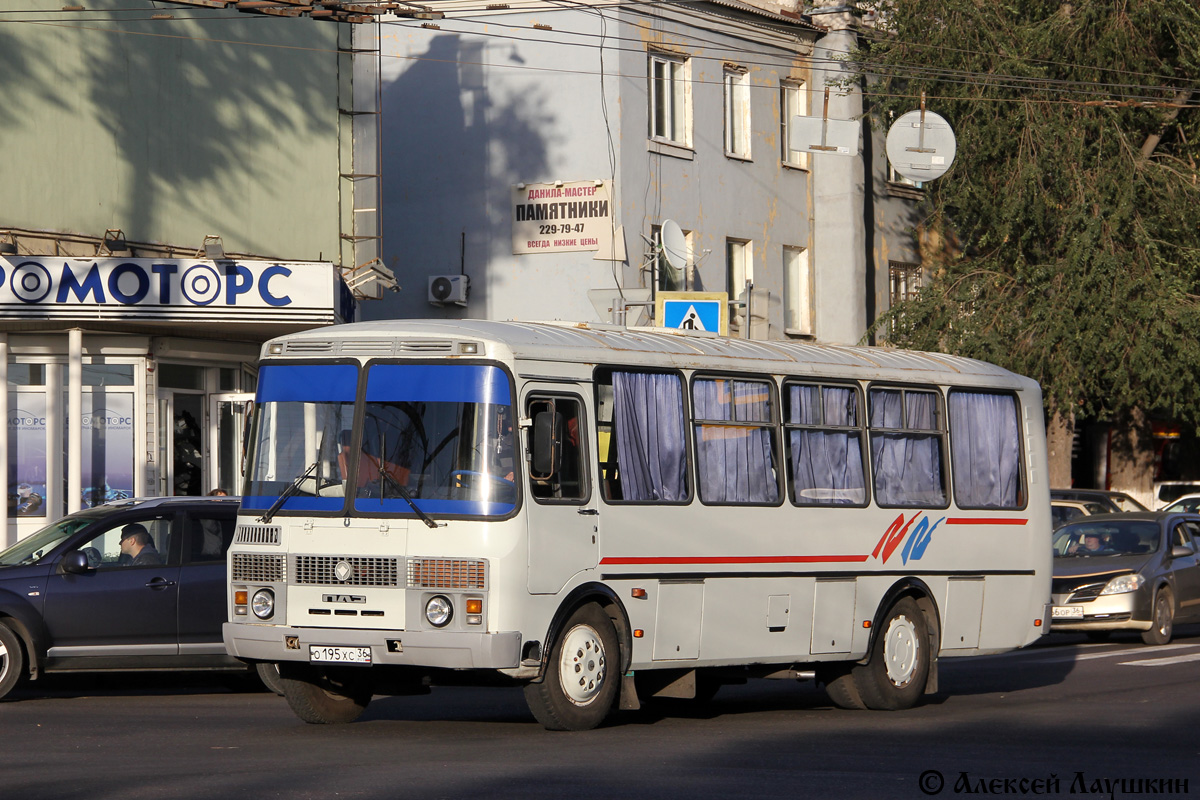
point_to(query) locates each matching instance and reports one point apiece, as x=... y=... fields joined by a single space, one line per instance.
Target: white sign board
x=819 y=135
x=561 y=217
x=170 y=289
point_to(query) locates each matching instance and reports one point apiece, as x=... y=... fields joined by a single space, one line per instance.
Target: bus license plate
x=1068 y=612
x=339 y=655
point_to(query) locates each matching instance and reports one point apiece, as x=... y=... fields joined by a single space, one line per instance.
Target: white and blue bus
x=607 y=515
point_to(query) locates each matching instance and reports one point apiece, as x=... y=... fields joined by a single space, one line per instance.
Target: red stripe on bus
x=733 y=560
x=985 y=521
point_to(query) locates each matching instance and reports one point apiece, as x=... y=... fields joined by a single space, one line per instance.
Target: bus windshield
x=429 y=439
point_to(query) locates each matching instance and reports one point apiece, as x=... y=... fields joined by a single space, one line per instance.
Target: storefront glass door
x=227 y=424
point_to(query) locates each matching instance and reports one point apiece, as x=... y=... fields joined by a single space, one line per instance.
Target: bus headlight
x=439 y=611
x=263 y=603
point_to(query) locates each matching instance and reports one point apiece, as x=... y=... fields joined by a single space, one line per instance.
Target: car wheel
x=580 y=684
x=268 y=673
x=1163 y=619
x=894 y=677
x=12 y=660
x=328 y=698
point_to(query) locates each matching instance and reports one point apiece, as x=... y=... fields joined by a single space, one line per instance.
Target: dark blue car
x=135 y=584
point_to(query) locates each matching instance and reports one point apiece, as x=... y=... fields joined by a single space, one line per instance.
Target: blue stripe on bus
x=311 y=383
x=265 y=501
x=435 y=508
x=437 y=383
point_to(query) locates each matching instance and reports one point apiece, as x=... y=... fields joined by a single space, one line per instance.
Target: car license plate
x=1068 y=612
x=339 y=655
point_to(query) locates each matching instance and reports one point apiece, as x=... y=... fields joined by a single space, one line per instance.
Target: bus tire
x=841 y=688
x=12 y=660
x=326 y=699
x=1162 y=619
x=894 y=677
x=580 y=684
x=268 y=673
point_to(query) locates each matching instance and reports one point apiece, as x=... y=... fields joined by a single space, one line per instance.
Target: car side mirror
x=1183 y=550
x=76 y=563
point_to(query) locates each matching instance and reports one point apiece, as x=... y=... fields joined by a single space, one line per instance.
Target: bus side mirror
x=547 y=445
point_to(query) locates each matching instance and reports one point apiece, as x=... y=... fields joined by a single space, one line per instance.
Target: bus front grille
x=257 y=534
x=258 y=568
x=358 y=570
x=446 y=573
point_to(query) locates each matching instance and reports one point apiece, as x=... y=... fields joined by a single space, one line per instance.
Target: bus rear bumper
x=446 y=649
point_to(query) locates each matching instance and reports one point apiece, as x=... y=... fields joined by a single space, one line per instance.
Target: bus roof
x=612 y=344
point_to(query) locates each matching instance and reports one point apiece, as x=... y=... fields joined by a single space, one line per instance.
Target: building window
x=897 y=178
x=797 y=292
x=904 y=280
x=738 y=266
x=793 y=102
x=737 y=112
x=669 y=94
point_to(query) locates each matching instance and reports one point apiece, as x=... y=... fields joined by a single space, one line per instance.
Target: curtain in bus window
x=986 y=449
x=827 y=466
x=734 y=464
x=648 y=417
x=908 y=464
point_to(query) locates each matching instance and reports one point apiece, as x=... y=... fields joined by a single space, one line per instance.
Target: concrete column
x=839 y=261
x=74 y=419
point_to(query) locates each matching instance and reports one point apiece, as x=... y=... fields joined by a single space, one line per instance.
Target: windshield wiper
x=288 y=492
x=408 y=498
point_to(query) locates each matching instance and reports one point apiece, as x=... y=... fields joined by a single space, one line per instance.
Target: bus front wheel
x=580 y=685
x=325 y=699
x=894 y=677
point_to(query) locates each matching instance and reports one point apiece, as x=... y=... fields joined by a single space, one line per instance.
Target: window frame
x=772 y=424
x=676 y=127
x=738 y=113
x=940 y=433
x=585 y=478
x=788 y=88
x=803 y=305
x=1022 y=476
x=602 y=376
x=860 y=428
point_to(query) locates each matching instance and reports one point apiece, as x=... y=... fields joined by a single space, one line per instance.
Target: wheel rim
x=5 y=661
x=1162 y=615
x=901 y=649
x=582 y=667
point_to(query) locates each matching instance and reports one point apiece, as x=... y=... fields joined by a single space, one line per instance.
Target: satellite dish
x=921 y=146
x=674 y=244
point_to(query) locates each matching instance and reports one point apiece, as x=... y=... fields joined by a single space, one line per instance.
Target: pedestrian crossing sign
x=693 y=311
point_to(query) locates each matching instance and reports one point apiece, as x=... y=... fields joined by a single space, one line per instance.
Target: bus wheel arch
x=586 y=654
x=901 y=662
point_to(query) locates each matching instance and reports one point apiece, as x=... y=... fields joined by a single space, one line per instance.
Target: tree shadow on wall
x=193 y=104
x=450 y=150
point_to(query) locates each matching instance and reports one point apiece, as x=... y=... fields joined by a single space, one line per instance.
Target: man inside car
x=138 y=546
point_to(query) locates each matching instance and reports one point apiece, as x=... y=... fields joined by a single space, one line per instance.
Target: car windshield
x=1111 y=538
x=31 y=549
x=1185 y=505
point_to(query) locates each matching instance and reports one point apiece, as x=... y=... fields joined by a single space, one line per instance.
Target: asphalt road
x=1069 y=709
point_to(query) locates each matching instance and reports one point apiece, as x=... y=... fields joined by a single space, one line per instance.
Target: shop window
x=26 y=375
x=179 y=376
x=26 y=453
x=108 y=374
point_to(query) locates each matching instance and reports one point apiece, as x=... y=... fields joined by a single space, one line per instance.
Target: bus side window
x=567 y=480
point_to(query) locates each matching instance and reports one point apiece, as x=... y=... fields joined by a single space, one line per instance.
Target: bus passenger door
x=563 y=515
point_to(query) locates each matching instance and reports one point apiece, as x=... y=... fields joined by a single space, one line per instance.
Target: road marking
x=1106 y=654
x=1161 y=662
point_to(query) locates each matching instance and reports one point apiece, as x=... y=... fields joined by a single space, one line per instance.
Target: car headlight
x=439 y=611
x=263 y=603
x=1123 y=583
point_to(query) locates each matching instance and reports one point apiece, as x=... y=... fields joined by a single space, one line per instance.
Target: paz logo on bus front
x=343 y=598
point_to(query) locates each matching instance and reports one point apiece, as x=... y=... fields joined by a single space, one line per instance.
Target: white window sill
x=794 y=333
x=796 y=167
x=736 y=157
x=673 y=149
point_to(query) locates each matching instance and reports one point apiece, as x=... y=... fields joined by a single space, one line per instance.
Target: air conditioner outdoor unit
x=449 y=289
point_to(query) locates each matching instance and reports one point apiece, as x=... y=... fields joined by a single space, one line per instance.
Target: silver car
x=1133 y=571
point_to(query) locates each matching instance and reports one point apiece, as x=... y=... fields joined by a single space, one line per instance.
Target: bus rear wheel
x=580 y=685
x=325 y=699
x=894 y=677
